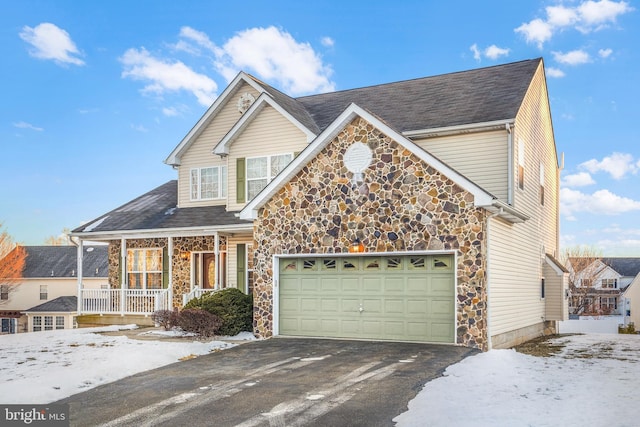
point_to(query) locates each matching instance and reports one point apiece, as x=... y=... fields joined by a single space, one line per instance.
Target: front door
x=208 y=270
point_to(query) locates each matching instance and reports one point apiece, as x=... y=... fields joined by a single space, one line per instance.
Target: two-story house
x=598 y=285
x=50 y=274
x=423 y=210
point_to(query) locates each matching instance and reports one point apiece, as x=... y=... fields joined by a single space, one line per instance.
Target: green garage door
x=403 y=298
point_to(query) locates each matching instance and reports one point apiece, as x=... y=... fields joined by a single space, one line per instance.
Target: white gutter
x=509 y=163
x=80 y=253
x=450 y=130
x=163 y=232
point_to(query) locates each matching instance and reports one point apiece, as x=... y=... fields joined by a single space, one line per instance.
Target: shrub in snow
x=165 y=318
x=199 y=322
x=233 y=306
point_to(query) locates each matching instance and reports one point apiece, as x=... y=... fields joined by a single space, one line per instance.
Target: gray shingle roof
x=629 y=267
x=475 y=96
x=61 y=261
x=58 y=305
x=158 y=209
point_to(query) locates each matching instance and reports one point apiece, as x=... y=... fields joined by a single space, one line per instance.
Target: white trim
x=174 y=157
x=458 y=129
x=164 y=232
x=554 y=266
x=250 y=211
x=222 y=148
x=275 y=267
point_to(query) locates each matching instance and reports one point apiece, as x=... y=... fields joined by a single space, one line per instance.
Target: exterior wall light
x=185 y=256
x=356 y=246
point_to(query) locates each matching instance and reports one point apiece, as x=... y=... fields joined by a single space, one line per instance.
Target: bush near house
x=200 y=322
x=233 y=306
x=165 y=318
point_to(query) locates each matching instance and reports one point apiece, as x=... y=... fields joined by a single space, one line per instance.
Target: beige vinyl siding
x=517 y=251
x=269 y=133
x=199 y=154
x=232 y=259
x=555 y=291
x=481 y=157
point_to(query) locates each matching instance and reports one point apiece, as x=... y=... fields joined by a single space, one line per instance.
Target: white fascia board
x=163 y=232
x=452 y=130
x=222 y=148
x=551 y=263
x=250 y=211
x=174 y=158
x=505 y=211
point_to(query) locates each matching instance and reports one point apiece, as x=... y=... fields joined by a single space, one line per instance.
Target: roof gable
x=482 y=198
x=264 y=100
x=62 y=304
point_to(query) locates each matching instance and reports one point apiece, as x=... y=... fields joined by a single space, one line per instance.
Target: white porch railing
x=196 y=293
x=124 y=301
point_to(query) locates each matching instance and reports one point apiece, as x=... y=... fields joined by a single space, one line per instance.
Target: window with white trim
x=48 y=323
x=37 y=323
x=144 y=268
x=44 y=293
x=59 y=322
x=521 y=164
x=208 y=183
x=261 y=170
x=610 y=283
x=608 y=304
x=542 y=184
x=4 y=292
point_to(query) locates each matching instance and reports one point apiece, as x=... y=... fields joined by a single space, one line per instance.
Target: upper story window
x=144 y=268
x=261 y=170
x=542 y=184
x=209 y=183
x=521 y=164
x=610 y=283
x=44 y=294
x=4 y=292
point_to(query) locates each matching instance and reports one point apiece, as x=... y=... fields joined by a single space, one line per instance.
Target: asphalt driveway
x=276 y=382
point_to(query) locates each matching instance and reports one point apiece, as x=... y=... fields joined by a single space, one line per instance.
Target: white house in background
x=50 y=272
x=603 y=287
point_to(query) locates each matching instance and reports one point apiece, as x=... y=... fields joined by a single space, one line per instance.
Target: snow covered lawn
x=592 y=381
x=42 y=367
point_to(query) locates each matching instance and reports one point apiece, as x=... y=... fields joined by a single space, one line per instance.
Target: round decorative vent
x=245 y=101
x=356 y=159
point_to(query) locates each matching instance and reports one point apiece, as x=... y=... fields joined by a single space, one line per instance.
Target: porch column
x=123 y=270
x=217 y=251
x=80 y=253
x=170 y=260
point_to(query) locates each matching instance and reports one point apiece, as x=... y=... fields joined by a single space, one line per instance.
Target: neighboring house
x=50 y=272
x=59 y=313
x=601 y=286
x=423 y=210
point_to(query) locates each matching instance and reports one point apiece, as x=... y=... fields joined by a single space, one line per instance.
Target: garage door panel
x=408 y=298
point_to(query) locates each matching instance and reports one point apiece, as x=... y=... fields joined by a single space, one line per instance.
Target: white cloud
x=164 y=76
x=139 y=128
x=580 y=179
x=327 y=42
x=476 y=52
x=51 y=42
x=494 y=52
x=554 y=72
x=170 y=111
x=601 y=202
x=617 y=165
x=575 y=57
x=594 y=15
x=25 y=125
x=537 y=31
x=585 y=17
x=605 y=53
x=275 y=55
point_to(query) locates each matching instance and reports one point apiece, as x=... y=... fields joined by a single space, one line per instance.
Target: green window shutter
x=241 y=258
x=240 y=180
x=165 y=268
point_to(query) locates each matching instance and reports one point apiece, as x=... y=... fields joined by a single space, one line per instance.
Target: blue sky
x=95 y=95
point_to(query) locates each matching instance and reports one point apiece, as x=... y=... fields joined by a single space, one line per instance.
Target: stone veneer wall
x=181 y=268
x=402 y=205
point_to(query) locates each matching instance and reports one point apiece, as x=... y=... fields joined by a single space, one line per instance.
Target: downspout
x=509 y=164
x=80 y=251
x=488 y=276
x=170 y=261
x=123 y=274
